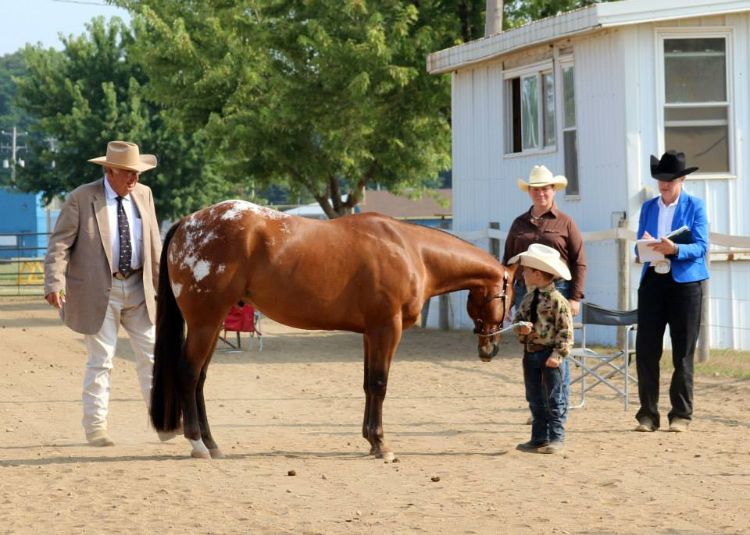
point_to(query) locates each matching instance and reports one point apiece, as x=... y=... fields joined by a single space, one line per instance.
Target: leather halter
x=503 y=296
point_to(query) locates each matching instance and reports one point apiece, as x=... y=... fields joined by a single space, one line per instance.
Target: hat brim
x=669 y=177
x=556 y=268
x=559 y=182
x=147 y=161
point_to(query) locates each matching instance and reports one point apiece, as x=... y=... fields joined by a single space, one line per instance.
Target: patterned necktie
x=123 y=228
x=534 y=305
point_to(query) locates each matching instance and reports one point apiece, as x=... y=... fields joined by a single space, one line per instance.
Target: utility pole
x=493 y=21
x=14 y=148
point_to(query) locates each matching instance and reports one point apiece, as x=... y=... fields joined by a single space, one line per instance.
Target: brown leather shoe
x=645 y=425
x=99 y=438
x=679 y=425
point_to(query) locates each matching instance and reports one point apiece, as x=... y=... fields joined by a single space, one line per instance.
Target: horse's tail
x=166 y=403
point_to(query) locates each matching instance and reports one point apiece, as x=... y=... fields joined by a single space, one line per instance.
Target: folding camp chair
x=242 y=318
x=612 y=367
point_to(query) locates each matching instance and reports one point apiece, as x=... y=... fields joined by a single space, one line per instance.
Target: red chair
x=242 y=318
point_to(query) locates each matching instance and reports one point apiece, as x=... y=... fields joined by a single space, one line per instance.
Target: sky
x=32 y=21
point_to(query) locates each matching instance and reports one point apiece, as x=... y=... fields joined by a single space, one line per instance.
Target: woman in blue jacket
x=670 y=292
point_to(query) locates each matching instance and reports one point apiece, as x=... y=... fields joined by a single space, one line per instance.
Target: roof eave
x=578 y=22
x=535 y=33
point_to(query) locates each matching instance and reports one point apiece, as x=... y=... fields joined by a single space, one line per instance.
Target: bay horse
x=364 y=273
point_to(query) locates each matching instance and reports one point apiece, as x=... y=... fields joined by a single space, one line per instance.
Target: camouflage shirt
x=554 y=324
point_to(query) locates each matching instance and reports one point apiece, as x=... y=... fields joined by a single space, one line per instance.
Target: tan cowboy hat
x=125 y=155
x=543 y=258
x=541 y=176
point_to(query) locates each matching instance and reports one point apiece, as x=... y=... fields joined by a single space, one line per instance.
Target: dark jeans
x=662 y=302
x=563 y=286
x=547 y=397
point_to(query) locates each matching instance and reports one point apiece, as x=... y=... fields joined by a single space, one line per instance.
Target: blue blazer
x=689 y=265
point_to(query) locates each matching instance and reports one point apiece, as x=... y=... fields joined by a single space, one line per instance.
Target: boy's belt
x=533 y=348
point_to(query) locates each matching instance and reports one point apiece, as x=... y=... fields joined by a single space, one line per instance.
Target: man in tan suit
x=101 y=271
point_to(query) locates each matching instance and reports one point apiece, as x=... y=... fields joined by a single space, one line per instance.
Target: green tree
x=519 y=12
x=324 y=97
x=90 y=93
x=11 y=65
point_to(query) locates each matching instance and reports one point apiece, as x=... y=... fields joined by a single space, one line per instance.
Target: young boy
x=547 y=336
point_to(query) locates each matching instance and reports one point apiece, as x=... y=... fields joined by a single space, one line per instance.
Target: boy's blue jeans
x=547 y=397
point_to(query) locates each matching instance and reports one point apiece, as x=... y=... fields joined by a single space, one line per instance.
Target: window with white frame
x=530 y=108
x=697 y=103
x=569 y=130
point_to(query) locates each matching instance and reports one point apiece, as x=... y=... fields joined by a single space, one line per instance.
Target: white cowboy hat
x=125 y=155
x=543 y=258
x=541 y=176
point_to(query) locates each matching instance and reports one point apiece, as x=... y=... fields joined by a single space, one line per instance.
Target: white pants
x=127 y=307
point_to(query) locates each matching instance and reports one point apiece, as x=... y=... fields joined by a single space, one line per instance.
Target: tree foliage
x=519 y=12
x=91 y=93
x=321 y=96
x=11 y=66
x=314 y=97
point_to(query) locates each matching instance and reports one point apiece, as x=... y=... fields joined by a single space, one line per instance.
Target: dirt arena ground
x=297 y=406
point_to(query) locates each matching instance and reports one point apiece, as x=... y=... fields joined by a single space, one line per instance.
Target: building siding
x=617 y=120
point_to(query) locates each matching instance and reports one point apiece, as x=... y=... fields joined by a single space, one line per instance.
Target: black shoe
x=531 y=446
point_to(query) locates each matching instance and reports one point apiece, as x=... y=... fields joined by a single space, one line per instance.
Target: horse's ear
x=511 y=270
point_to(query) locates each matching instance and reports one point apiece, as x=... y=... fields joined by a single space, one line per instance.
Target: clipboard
x=680 y=236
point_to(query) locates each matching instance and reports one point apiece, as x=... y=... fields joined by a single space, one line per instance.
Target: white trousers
x=127 y=307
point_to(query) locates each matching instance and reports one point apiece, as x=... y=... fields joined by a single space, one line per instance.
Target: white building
x=592 y=94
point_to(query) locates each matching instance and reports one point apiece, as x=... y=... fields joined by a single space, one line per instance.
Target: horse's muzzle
x=488 y=351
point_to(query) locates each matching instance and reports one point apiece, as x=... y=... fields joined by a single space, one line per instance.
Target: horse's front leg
x=365 y=430
x=381 y=345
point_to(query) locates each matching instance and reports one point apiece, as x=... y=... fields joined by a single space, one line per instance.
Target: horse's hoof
x=387 y=456
x=197 y=454
x=216 y=453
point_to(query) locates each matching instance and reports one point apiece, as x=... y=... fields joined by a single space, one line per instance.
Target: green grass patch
x=720 y=363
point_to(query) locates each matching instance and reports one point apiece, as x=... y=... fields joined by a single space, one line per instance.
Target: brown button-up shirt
x=554 y=229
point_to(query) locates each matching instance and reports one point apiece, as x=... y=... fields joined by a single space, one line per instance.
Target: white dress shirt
x=666 y=215
x=134 y=222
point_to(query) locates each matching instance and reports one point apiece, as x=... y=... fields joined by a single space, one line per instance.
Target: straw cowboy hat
x=541 y=176
x=543 y=258
x=670 y=166
x=125 y=155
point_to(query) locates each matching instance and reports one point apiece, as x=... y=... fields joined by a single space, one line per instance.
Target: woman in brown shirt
x=545 y=223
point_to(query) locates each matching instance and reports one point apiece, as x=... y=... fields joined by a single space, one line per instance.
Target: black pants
x=662 y=302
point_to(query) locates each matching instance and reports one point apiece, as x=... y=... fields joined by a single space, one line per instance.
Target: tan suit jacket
x=79 y=258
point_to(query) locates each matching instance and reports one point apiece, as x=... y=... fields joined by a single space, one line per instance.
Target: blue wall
x=23 y=214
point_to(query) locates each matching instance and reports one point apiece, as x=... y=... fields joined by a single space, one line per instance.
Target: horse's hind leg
x=208 y=440
x=199 y=344
x=380 y=347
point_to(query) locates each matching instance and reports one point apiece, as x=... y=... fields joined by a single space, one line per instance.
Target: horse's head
x=488 y=306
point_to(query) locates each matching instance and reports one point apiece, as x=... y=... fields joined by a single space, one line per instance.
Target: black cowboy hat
x=671 y=166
